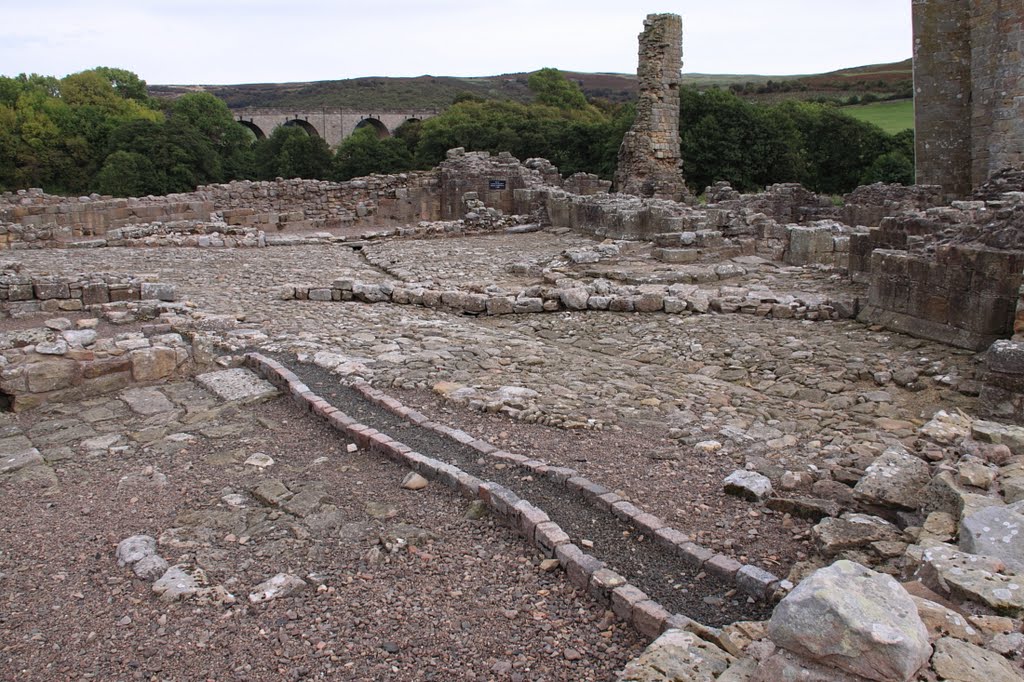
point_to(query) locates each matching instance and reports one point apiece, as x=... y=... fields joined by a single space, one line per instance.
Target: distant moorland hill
x=882 y=81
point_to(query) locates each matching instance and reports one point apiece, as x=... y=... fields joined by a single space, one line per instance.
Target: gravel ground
x=468 y=603
x=643 y=563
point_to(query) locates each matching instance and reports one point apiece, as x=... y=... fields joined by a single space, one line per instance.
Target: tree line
x=99 y=131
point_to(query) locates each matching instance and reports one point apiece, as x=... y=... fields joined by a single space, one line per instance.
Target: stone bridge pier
x=333 y=125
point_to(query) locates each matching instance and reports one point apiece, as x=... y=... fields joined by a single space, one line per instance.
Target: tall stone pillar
x=942 y=94
x=649 y=158
x=968 y=91
x=997 y=97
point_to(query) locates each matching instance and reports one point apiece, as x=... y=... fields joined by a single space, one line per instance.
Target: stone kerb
x=583 y=570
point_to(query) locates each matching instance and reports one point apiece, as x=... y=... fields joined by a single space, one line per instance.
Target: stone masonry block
x=626 y=511
x=722 y=566
x=560 y=474
x=624 y=598
x=670 y=538
x=755 y=581
x=588 y=488
x=695 y=555
x=579 y=567
x=602 y=582
x=528 y=517
x=649 y=618
x=548 y=536
x=51 y=290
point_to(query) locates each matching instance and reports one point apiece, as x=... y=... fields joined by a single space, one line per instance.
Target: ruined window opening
x=6 y=402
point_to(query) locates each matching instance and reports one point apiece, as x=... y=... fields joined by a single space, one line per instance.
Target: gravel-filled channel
x=645 y=564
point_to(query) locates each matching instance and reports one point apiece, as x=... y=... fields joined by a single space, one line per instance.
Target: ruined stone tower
x=649 y=160
x=968 y=90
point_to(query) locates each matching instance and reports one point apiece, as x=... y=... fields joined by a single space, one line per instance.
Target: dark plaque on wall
x=497 y=184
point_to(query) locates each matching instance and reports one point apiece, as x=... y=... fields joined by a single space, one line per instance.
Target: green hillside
x=892 y=117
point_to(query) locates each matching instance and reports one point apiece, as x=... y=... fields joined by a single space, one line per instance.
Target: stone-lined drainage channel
x=644 y=570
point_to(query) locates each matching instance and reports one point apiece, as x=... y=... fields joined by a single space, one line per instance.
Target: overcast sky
x=252 y=41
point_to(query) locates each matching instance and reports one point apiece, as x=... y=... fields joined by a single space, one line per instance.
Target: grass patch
x=892 y=117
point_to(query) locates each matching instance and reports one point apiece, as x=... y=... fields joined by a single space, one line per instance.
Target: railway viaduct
x=333 y=125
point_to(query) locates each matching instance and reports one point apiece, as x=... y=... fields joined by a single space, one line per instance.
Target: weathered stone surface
x=134 y=549
x=178 y=582
x=237 y=384
x=574 y=299
x=146 y=401
x=897 y=478
x=855 y=619
x=783 y=666
x=52 y=375
x=677 y=656
x=150 y=567
x=959 y=661
x=281 y=585
x=944 y=622
x=13 y=461
x=158 y=291
x=853 y=530
x=951 y=572
x=748 y=484
x=995 y=532
x=151 y=364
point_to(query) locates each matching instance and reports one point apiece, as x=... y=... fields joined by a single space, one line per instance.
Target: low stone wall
x=34 y=293
x=677 y=299
x=61 y=366
x=964 y=296
x=32 y=219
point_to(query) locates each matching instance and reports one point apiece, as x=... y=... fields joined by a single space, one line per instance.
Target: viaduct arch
x=333 y=125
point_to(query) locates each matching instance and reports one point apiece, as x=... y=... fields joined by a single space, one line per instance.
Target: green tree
x=211 y=117
x=129 y=174
x=552 y=88
x=364 y=152
x=126 y=84
x=890 y=167
x=290 y=152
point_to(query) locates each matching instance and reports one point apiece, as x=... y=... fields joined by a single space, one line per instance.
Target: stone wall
x=969 y=94
x=32 y=219
x=46 y=365
x=997 y=93
x=31 y=216
x=24 y=293
x=650 y=164
x=497 y=181
x=965 y=296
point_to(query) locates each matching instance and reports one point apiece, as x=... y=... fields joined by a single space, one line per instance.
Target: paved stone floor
x=660 y=407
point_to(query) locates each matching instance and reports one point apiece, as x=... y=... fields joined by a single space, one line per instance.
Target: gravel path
x=667 y=579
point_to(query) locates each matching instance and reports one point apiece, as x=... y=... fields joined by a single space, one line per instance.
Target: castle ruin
x=649 y=159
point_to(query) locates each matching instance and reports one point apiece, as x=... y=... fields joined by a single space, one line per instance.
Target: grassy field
x=892 y=117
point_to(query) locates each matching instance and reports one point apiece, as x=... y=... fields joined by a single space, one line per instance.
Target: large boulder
x=854 y=619
x=896 y=479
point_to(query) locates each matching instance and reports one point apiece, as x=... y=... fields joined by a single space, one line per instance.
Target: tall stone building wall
x=997 y=73
x=968 y=90
x=649 y=159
